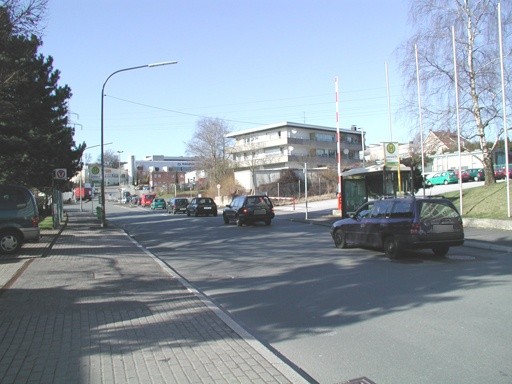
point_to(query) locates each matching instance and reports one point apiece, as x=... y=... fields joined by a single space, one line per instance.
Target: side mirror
x=228 y=206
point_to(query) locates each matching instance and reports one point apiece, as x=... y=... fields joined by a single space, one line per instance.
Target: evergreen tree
x=35 y=137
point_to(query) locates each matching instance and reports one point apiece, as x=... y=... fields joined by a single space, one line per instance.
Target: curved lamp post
x=103 y=216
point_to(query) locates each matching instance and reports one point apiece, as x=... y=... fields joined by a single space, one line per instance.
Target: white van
x=19 y=218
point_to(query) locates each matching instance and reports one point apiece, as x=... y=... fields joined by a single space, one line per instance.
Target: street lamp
x=119 y=176
x=362 y=143
x=80 y=182
x=103 y=216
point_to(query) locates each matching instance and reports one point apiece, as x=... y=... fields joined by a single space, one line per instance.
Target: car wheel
x=225 y=218
x=339 y=239
x=239 y=221
x=446 y=182
x=268 y=221
x=188 y=213
x=391 y=247
x=10 y=242
x=440 y=251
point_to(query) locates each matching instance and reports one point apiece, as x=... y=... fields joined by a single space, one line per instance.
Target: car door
x=354 y=228
x=233 y=207
x=377 y=223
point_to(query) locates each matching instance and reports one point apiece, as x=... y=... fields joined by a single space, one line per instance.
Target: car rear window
x=261 y=201
x=436 y=210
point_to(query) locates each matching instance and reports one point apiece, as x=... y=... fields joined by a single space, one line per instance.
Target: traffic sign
x=60 y=174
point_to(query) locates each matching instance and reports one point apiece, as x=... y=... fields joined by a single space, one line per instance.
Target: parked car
x=177 y=205
x=19 y=218
x=126 y=197
x=158 y=203
x=476 y=174
x=499 y=173
x=465 y=175
x=397 y=224
x=509 y=171
x=447 y=177
x=146 y=199
x=202 y=206
x=249 y=209
x=135 y=200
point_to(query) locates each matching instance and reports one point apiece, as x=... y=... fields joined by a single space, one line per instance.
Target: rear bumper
x=419 y=243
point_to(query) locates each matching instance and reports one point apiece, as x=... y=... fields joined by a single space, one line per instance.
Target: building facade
x=139 y=170
x=259 y=152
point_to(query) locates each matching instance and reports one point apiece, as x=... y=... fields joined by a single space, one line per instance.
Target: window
x=381 y=209
x=364 y=212
x=436 y=210
x=402 y=209
x=325 y=137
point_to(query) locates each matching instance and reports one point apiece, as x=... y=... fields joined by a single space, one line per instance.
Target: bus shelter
x=360 y=185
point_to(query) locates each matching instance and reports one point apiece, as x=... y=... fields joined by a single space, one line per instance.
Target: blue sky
x=250 y=63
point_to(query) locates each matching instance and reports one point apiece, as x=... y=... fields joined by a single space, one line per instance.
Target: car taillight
x=415 y=228
x=35 y=221
x=245 y=211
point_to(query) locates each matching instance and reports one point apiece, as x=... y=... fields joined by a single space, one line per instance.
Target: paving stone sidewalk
x=98 y=309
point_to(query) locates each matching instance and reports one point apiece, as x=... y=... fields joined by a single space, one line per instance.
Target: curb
x=505 y=225
x=487 y=245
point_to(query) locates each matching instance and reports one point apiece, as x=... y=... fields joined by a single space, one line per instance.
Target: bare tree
x=475 y=23
x=27 y=16
x=208 y=147
x=111 y=159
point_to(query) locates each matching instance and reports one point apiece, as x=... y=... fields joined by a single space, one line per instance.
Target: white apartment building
x=287 y=145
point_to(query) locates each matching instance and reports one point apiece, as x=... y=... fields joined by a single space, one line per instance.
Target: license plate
x=439 y=228
x=207 y=207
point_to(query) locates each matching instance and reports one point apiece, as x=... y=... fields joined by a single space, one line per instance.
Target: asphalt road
x=342 y=314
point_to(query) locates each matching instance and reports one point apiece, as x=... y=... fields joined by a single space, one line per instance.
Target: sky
x=250 y=63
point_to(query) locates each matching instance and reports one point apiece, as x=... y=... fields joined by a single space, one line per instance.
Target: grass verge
x=485 y=202
x=46 y=223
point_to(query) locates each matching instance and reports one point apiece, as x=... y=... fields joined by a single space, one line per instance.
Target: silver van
x=19 y=218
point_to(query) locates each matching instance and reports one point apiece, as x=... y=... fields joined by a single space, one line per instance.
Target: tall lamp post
x=119 y=176
x=103 y=216
x=93 y=146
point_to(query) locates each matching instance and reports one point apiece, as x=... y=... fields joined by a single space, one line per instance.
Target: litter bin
x=98 y=212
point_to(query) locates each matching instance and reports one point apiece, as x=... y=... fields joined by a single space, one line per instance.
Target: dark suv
x=402 y=223
x=202 y=206
x=177 y=205
x=249 y=209
x=19 y=218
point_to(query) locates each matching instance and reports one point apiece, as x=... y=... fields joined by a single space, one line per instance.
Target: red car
x=465 y=175
x=504 y=170
x=146 y=199
x=499 y=173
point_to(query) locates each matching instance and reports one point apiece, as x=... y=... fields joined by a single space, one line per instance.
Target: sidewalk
x=98 y=308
